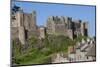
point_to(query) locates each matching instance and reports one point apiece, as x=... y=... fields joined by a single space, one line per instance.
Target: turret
x=84 y=28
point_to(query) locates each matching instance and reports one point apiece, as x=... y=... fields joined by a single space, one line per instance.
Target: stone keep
x=60 y=25
x=23 y=26
x=21 y=29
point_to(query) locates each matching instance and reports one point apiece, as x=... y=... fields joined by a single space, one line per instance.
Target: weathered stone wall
x=21 y=35
x=84 y=29
x=42 y=32
x=14 y=32
x=60 y=25
x=24 y=24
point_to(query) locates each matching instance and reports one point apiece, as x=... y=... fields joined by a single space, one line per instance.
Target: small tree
x=15 y=9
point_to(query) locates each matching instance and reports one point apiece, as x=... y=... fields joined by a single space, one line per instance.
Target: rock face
x=23 y=25
x=60 y=25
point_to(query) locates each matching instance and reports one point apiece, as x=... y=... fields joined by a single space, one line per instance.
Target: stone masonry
x=23 y=26
x=60 y=25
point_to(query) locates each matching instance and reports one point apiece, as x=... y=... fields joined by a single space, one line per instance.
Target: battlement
x=66 y=26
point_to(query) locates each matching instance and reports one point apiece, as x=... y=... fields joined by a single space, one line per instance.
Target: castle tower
x=23 y=25
x=76 y=28
x=21 y=30
x=50 y=25
x=84 y=29
x=33 y=20
x=32 y=25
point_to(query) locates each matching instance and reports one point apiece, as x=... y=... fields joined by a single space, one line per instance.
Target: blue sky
x=44 y=10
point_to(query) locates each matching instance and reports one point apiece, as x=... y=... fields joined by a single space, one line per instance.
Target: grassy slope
x=50 y=45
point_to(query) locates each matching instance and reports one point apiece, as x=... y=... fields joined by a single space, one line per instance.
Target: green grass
x=35 y=57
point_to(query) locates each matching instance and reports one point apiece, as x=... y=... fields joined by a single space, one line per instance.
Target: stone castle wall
x=59 y=25
x=23 y=26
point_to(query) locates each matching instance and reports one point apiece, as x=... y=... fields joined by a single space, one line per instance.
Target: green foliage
x=16 y=47
x=79 y=38
x=32 y=41
x=58 y=43
x=41 y=50
x=16 y=50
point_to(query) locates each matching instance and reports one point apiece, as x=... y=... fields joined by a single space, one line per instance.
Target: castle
x=23 y=26
x=60 y=25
